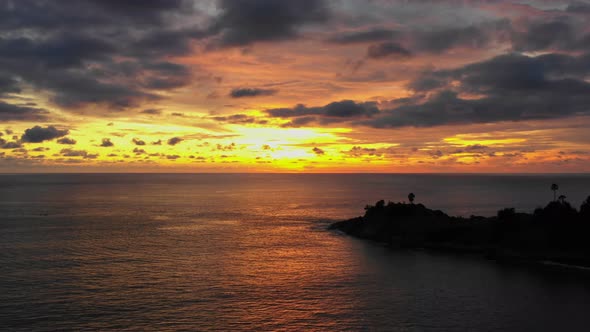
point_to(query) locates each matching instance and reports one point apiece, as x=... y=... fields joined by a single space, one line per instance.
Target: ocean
x=225 y=252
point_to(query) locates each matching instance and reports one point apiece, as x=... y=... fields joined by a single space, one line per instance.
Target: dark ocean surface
x=251 y=252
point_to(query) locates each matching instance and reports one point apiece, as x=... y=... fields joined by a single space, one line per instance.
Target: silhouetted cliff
x=557 y=232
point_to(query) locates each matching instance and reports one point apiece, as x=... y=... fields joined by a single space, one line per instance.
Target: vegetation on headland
x=557 y=233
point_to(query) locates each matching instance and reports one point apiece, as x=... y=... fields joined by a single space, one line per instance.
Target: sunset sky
x=294 y=86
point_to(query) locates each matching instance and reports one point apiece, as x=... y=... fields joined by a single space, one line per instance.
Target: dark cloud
x=244 y=22
x=512 y=88
x=427 y=39
x=318 y=151
x=301 y=121
x=174 y=140
x=39 y=134
x=10 y=112
x=476 y=147
x=561 y=34
x=158 y=142
x=544 y=35
x=236 y=119
x=440 y=40
x=106 y=143
x=8 y=85
x=85 y=14
x=152 y=111
x=167 y=75
x=427 y=82
x=85 y=52
x=578 y=8
x=139 y=151
x=229 y=147
x=66 y=140
x=77 y=153
x=9 y=145
x=334 y=112
x=357 y=151
x=251 y=92
x=137 y=141
x=373 y=35
x=387 y=50
x=77 y=90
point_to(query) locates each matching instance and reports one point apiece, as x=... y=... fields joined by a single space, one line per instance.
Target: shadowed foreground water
x=226 y=252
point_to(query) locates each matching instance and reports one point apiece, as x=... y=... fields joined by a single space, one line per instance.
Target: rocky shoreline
x=556 y=236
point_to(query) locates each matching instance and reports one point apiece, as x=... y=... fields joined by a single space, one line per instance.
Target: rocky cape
x=557 y=234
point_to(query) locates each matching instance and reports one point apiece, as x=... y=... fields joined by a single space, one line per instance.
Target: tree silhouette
x=411 y=197
x=562 y=198
x=585 y=207
x=555 y=188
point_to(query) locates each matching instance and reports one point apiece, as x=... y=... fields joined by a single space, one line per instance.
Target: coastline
x=552 y=237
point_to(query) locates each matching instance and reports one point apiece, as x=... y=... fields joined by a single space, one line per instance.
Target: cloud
x=8 y=85
x=10 y=112
x=167 y=76
x=152 y=111
x=137 y=141
x=39 y=134
x=560 y=34
x=476 y=147
x=318 y=151
x=174 y=140
x=78 y=153
x=9 y=145
x=338 y=111
x=236 y=119
x=440 y=40
x=229 y=147
x=544 y=35
x=243 y=22
x=301 y=121
x=95 y=52
x=251 y=92
x=364 y=36
x=578 y=8
x=510 y=87
x=387 y=50
x=106 y=143
x=357 y=151
x=427 y=82
x=66 y=140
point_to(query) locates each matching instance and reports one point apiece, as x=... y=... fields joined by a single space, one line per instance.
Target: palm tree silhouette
x=562 y=198
x=411 y=197
x=554 y=187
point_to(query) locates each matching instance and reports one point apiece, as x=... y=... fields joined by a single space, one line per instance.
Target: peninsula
x=555 y=234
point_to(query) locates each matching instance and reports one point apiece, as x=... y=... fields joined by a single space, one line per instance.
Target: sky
x=294 y=86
